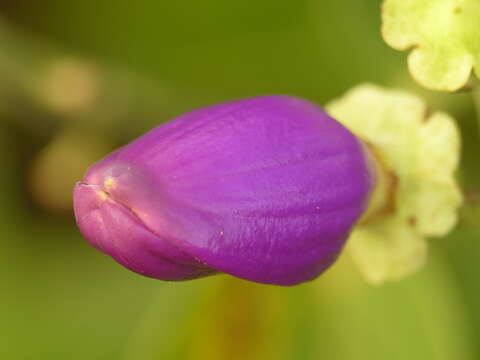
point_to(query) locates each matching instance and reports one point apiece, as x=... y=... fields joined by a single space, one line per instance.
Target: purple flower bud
x=266 y=189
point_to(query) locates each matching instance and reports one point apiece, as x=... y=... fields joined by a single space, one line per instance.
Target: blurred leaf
x=164 y=328
x=422 y=317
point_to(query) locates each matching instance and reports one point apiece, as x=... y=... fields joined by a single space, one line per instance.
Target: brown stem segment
x=382 y=198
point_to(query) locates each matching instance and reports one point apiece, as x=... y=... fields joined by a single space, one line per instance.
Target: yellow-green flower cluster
x=444 y=36
x=421 y=151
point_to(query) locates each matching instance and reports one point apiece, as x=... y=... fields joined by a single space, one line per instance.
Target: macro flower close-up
x=231 y=180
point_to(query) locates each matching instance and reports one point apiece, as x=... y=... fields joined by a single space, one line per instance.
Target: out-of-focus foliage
x=421 y=151
x=233 y=319
x=444 y=35
x=135 y=65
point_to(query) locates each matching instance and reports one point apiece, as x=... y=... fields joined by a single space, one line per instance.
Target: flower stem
x=476 y=101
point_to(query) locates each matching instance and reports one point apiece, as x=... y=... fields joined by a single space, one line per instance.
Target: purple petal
x=266 y=189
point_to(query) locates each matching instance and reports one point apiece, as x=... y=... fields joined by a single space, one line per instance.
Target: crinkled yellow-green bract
x=422 y=151
x=444 y=35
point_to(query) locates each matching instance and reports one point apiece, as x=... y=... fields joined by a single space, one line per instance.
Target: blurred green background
x=79 y=78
